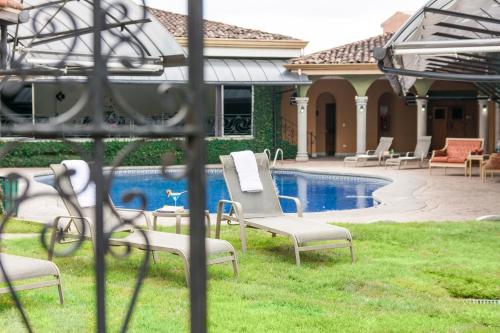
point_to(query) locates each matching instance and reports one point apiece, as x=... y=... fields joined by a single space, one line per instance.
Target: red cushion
x=460 y=149
x=455 y=160
x=440 y=159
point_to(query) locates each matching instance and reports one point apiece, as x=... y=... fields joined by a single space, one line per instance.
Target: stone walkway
x=413 y=195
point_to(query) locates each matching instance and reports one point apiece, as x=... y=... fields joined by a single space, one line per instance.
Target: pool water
x=317 y=192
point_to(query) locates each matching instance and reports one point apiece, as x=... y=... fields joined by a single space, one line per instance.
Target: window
x=457 y=114
x=237 y=110
x=439 y=114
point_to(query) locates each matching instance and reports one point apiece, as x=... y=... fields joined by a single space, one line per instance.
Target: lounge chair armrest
x=238 y=209
x=55 y=224
x=55 y=230
x=410 y=154
x=298 y=204
x=139 y=213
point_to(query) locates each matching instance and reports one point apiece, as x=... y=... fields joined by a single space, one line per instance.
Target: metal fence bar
x=96 y=88
x=196 y=173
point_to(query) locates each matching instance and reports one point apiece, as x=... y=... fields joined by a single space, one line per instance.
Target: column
x=302 y=129
x=483 y=121
x=361 y=104
x=421 y=117
x=497 y=125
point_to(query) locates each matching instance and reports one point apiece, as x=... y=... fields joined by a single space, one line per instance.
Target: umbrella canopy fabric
x=455 y=40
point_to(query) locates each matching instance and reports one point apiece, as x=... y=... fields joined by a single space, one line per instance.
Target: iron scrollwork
x=24 y=53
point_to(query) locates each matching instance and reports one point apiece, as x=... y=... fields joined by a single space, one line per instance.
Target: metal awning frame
x=452 y=45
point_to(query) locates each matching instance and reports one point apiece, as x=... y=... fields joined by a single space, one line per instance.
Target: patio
x=413 y=195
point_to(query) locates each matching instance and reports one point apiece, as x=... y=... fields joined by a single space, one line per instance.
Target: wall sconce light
x=424 y=108
x=302 y=109
x=485 y=108
x=362 y=108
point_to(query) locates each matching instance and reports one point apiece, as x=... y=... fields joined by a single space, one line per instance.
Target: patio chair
x=491 y=166
x=371 y=155
x=22 y=268
x=419 y=155
x=221 y=250
x=262 y=210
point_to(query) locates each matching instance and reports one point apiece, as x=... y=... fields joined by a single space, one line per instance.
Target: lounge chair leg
x=186 y=269
x=352 y=254
x=153 y=254
x=60 y=289
x=297 y=256
x=235 y=266
x=52 y=244
x=243 y=237
x=217 y=224
x=297 y=252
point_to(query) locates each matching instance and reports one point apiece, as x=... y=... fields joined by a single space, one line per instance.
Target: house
x=244 y=71
x=351 y=104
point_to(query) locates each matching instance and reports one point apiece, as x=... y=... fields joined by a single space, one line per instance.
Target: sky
x=324 y=23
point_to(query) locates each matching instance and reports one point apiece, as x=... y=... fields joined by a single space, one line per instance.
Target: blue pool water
x=317 y=192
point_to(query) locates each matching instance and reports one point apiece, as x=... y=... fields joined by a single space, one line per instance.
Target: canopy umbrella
x=456 y=40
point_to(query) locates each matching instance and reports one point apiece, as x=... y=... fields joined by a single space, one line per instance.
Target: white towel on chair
x=247 y=170
x=84 y=196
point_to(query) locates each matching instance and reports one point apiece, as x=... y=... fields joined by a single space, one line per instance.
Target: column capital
x=302 y=100
x=361 y=99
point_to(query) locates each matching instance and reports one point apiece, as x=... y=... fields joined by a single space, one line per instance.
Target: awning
x=457 y=40
x=63 y=30
x=223 y=71
x=241 y=71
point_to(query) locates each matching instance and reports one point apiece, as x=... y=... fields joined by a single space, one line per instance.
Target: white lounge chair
x=419 y=155
x=371 y=155
x=20 y=268
x=262 y=210
x=71 y=226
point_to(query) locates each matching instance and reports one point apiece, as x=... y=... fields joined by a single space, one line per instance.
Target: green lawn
x=407 y=278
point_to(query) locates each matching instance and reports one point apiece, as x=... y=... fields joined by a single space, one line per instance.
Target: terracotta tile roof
x=176 y=24
x=14 y=4
x=360 y=52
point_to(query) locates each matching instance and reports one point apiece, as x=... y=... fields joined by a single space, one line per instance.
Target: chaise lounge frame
x=20 y=268
x=158 y=241
x=263 y=211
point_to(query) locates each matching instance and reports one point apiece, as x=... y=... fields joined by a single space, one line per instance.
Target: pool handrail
x=267 y=151
x=278 y=151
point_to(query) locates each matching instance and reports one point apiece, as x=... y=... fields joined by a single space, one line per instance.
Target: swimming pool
x=317 y=192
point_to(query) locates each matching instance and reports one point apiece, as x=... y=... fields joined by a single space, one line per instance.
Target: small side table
x=178 y=218
x=471 y=159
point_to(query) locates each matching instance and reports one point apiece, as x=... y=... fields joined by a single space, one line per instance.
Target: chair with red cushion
x=455 y=153
x=491 y=166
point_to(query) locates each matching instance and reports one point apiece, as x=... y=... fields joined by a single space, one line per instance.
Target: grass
x=407 y=278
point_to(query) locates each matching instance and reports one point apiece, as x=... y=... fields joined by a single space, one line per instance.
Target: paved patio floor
x=413 y=195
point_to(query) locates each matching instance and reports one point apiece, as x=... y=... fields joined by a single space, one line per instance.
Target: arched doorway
x=385 y=115
x=326 y=120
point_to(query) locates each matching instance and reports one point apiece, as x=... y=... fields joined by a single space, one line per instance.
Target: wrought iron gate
x=183 y=103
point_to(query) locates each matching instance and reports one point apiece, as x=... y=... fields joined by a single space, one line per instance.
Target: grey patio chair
x=419 y=155
x=262 y=210
x=371 y=155
x=20 y=268
x=218 y=251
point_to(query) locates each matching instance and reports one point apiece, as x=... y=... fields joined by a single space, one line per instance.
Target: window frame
x=252 y=111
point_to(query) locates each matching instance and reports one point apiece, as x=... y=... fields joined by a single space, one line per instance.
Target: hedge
x=44 y=153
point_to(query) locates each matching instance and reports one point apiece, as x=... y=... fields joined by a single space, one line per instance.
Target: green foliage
x=44 y=153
